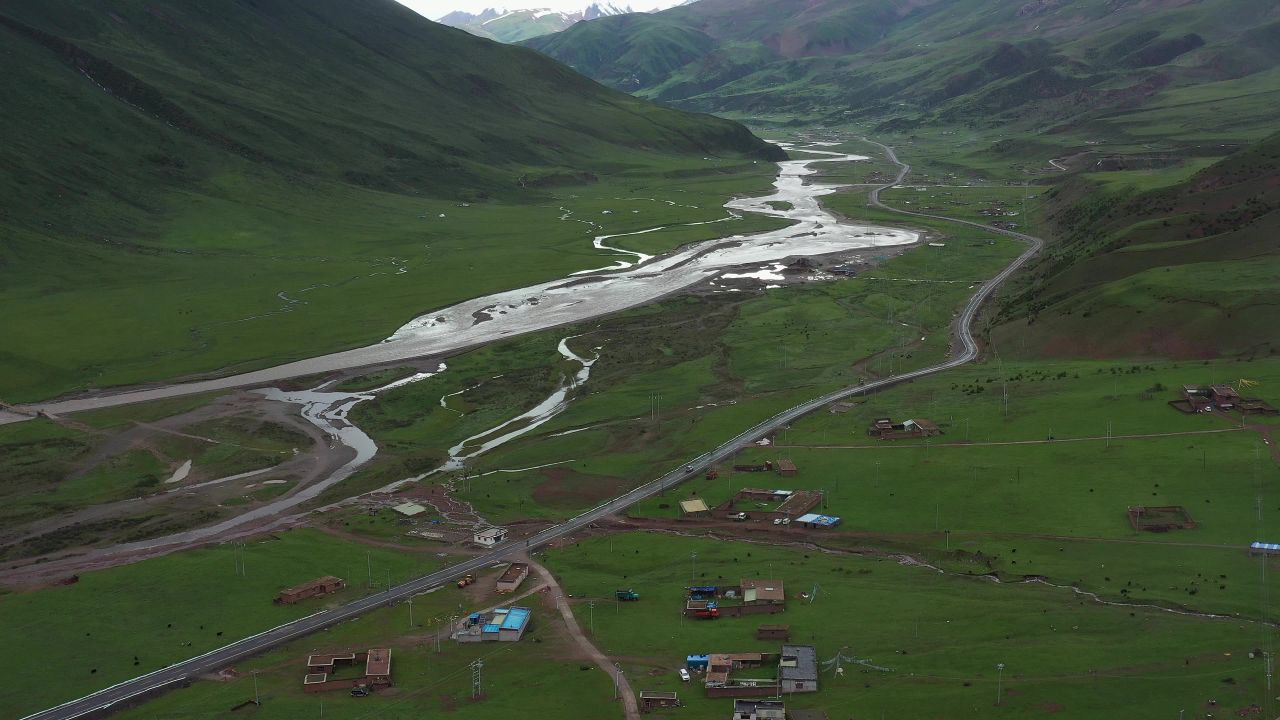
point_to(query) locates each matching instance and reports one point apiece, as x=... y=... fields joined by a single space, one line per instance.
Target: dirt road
x=558 y=597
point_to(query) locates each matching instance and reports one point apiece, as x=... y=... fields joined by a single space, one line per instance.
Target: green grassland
x=120 y=623
x=352 y=265
x=51 y=471
x=967 y=203
x=1163 y=266
x=177 y=207
x=941 y=634
x=719 y=361
x=995 y=492
x=536 y=672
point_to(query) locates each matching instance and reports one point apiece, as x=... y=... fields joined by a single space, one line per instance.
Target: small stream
x=556 y=403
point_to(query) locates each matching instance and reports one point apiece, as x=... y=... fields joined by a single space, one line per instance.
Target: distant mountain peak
x=596 y=10
x=515 y=25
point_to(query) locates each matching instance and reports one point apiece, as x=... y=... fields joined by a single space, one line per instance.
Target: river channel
x=580 y=297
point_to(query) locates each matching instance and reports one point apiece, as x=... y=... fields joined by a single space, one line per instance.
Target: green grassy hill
x=172 y=169
x=1188 y=268
x=1049 y=64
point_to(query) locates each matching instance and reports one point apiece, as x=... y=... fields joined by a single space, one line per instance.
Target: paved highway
x=103 y=701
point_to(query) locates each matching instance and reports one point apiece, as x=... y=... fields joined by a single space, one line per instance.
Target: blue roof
x=815 y=519
x=1264 y=546
x=516 y=619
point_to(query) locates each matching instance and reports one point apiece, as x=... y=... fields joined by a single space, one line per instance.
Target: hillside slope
x=1190 y=269
x=168 y=163
x=1044 y=64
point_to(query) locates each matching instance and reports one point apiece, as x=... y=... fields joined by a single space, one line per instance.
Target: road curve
x=104 y=701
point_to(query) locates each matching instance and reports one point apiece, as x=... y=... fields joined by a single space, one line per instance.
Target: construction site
x=1161 y=518
x=886 y=429
x=769 y=504
x=1220 y=398
x=339 y=671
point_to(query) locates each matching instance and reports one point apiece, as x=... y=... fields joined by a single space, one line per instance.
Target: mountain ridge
x=1063 y=63
x=173 y=169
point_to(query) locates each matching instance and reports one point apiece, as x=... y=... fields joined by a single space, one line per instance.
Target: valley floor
x=1005 y=540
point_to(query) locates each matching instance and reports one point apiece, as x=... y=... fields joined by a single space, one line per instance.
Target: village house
x=490 y=536
x=798 y=669
x=511 y=578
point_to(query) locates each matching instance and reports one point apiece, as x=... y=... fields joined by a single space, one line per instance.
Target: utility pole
x=475 y=679
x=368 y=559
x=693 y=577
x=999 y=681
x=591 y=611
x=410 y=613
x=256 y=699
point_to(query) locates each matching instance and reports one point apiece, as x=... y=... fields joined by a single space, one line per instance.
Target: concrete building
x=489 y=536
x=762 y=495
x=501 y=625
x=512 y=577
x=1224 y=396
x=798 y=669
x=313 y=588
x=759 y=710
